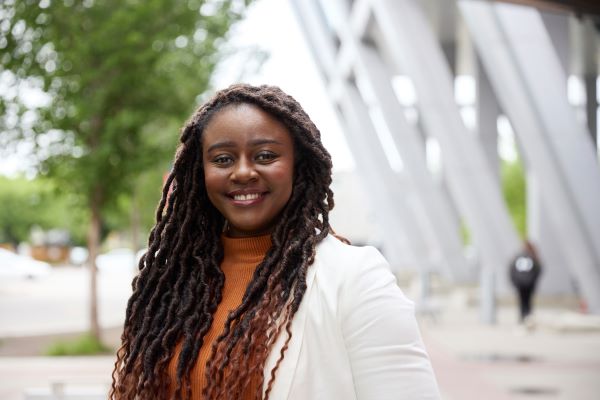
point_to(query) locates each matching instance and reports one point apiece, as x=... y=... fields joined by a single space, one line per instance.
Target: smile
x=251 y=196
x=246 y=199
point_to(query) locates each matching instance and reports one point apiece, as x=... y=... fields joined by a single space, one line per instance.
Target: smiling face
x=248 y=159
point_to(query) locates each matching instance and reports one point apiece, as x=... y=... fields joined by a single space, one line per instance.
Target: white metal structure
x=361 y=45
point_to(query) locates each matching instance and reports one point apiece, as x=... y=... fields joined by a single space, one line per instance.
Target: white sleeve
x=386 y=353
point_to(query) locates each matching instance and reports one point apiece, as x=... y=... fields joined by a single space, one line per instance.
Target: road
x=60 y=302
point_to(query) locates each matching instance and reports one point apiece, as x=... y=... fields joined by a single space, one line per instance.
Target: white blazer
x=354 y=336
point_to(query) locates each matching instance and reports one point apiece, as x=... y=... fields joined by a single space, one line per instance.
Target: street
x=60 y=302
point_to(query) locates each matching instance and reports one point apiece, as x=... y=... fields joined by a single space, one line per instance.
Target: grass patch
x=84 y=345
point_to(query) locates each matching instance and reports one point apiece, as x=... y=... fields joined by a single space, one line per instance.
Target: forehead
x=243 y=122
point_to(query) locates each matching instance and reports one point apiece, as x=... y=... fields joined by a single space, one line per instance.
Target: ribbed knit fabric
x=241 y=256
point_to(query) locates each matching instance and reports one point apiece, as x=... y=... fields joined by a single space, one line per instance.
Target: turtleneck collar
x=245 y=249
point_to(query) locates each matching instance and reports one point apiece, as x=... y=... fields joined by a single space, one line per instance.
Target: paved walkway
x=22 y=373
x=559 y=360
x=472 y=361
x=59 y=302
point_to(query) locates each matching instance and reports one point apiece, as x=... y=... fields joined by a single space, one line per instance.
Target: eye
x=266 y=156
x=222 y=160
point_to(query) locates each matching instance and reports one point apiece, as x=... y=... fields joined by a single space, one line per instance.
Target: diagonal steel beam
x=525 y=71
x=404 y=243
x=412 y=45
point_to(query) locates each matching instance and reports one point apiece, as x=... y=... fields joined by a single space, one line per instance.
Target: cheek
x=285 y=178
x=212 y=183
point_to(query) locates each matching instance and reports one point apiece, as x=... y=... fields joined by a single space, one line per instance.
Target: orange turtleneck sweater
x=241 y=256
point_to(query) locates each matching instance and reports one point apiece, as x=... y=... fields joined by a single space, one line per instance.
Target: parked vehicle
x=78 y=255
x=118 y=260
x=14 y=265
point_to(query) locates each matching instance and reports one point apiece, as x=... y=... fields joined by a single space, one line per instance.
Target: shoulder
x=363 y=291
x=353 y=270
x=339 y=255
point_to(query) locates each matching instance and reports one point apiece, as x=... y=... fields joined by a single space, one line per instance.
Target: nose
x=244 y=171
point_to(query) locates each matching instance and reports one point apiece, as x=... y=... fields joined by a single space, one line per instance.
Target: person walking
x=525 y=271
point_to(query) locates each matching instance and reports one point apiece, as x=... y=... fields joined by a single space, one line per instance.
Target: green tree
x=18 y=213
x=514 y=189
x=113 y=71
x=135 y=211
x=28 y=203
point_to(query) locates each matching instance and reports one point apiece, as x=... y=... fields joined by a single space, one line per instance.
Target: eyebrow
x=227 y=144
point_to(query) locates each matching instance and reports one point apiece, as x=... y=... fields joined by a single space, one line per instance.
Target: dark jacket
x=524 y=270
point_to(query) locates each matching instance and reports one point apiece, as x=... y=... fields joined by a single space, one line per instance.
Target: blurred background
x=459 y=131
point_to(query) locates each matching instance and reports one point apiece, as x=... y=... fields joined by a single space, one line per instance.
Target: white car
x=14 y=265
x=78 y=255
x=118 y=260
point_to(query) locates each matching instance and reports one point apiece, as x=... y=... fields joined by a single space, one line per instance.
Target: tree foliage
x=113 y=74
x=28 y=203
x=114 y=71
x=514 y=189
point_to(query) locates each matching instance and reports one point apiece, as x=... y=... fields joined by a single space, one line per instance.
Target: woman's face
x=248 y=159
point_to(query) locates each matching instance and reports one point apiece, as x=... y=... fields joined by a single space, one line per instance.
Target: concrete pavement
x=59 y=302
x=471 y=361
x=505 y=361
x=560 y=359
x=19 y=374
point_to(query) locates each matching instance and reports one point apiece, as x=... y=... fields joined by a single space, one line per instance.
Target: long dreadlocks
x=179 y=285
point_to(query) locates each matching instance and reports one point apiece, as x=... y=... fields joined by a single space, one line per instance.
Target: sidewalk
x=21 y=373
x=560 y=359
x=471 y=360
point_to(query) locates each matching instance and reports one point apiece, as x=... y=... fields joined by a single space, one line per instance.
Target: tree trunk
x=135 y=227
x=93 y=241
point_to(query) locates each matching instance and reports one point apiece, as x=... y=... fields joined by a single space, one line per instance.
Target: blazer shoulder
x=346 y=258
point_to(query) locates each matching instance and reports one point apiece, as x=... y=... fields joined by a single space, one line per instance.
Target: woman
x=244 y=293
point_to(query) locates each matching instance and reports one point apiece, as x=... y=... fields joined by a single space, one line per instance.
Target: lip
x=245 y=203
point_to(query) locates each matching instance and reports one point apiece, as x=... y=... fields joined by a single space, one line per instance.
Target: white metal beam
x=529 y=82
x=415 y=50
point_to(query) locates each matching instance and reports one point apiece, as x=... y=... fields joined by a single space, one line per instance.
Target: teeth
x=242 y=197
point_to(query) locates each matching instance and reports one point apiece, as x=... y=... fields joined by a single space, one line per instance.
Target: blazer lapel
x=286 y=371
